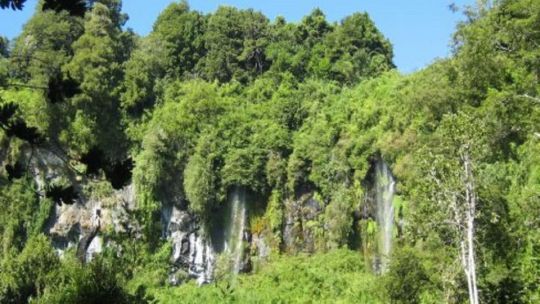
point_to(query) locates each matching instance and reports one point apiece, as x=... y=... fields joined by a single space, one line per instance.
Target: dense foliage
x=337 y=277
x=208 y=102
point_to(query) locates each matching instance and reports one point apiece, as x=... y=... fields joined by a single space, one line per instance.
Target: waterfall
x=235 y=228
x=201 y=259
x=195 y=245
x=384 y=194
x=192 y=246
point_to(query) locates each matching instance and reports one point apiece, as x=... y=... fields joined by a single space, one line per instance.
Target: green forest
x=229 y=158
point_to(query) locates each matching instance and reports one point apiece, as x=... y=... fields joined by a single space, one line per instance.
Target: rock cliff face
x=81 y=222
x=93 y=208
x=86 y=218
x=88 y=208
x=79 y=219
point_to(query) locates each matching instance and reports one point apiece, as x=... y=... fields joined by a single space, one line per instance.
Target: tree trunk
x=461 y=201
x=464 y=262
x=469 y=255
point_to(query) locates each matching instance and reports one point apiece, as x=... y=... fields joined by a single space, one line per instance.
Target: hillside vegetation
x=208 y=103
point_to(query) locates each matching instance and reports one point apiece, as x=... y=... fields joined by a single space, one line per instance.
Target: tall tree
x=313 y=28
x=171 y=51
x=283 y=51
x=180 y=31
x=36 y=61
x=356 y=49
x=234 y=41
x=97 y=66
x=453 y=162
x=44 y=46
x=144 y=73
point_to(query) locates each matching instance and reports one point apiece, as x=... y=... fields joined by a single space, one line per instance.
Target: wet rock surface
x=193 y=255
x=300 y=216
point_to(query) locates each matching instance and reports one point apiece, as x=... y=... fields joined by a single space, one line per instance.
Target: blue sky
x=420 y=30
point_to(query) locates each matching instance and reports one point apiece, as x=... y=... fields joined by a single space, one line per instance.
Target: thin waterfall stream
x=236 y=226
x=384 y=191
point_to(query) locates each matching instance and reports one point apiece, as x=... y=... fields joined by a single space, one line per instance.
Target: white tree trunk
x=464 y=262
x=462 y=201
x=470 y=210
